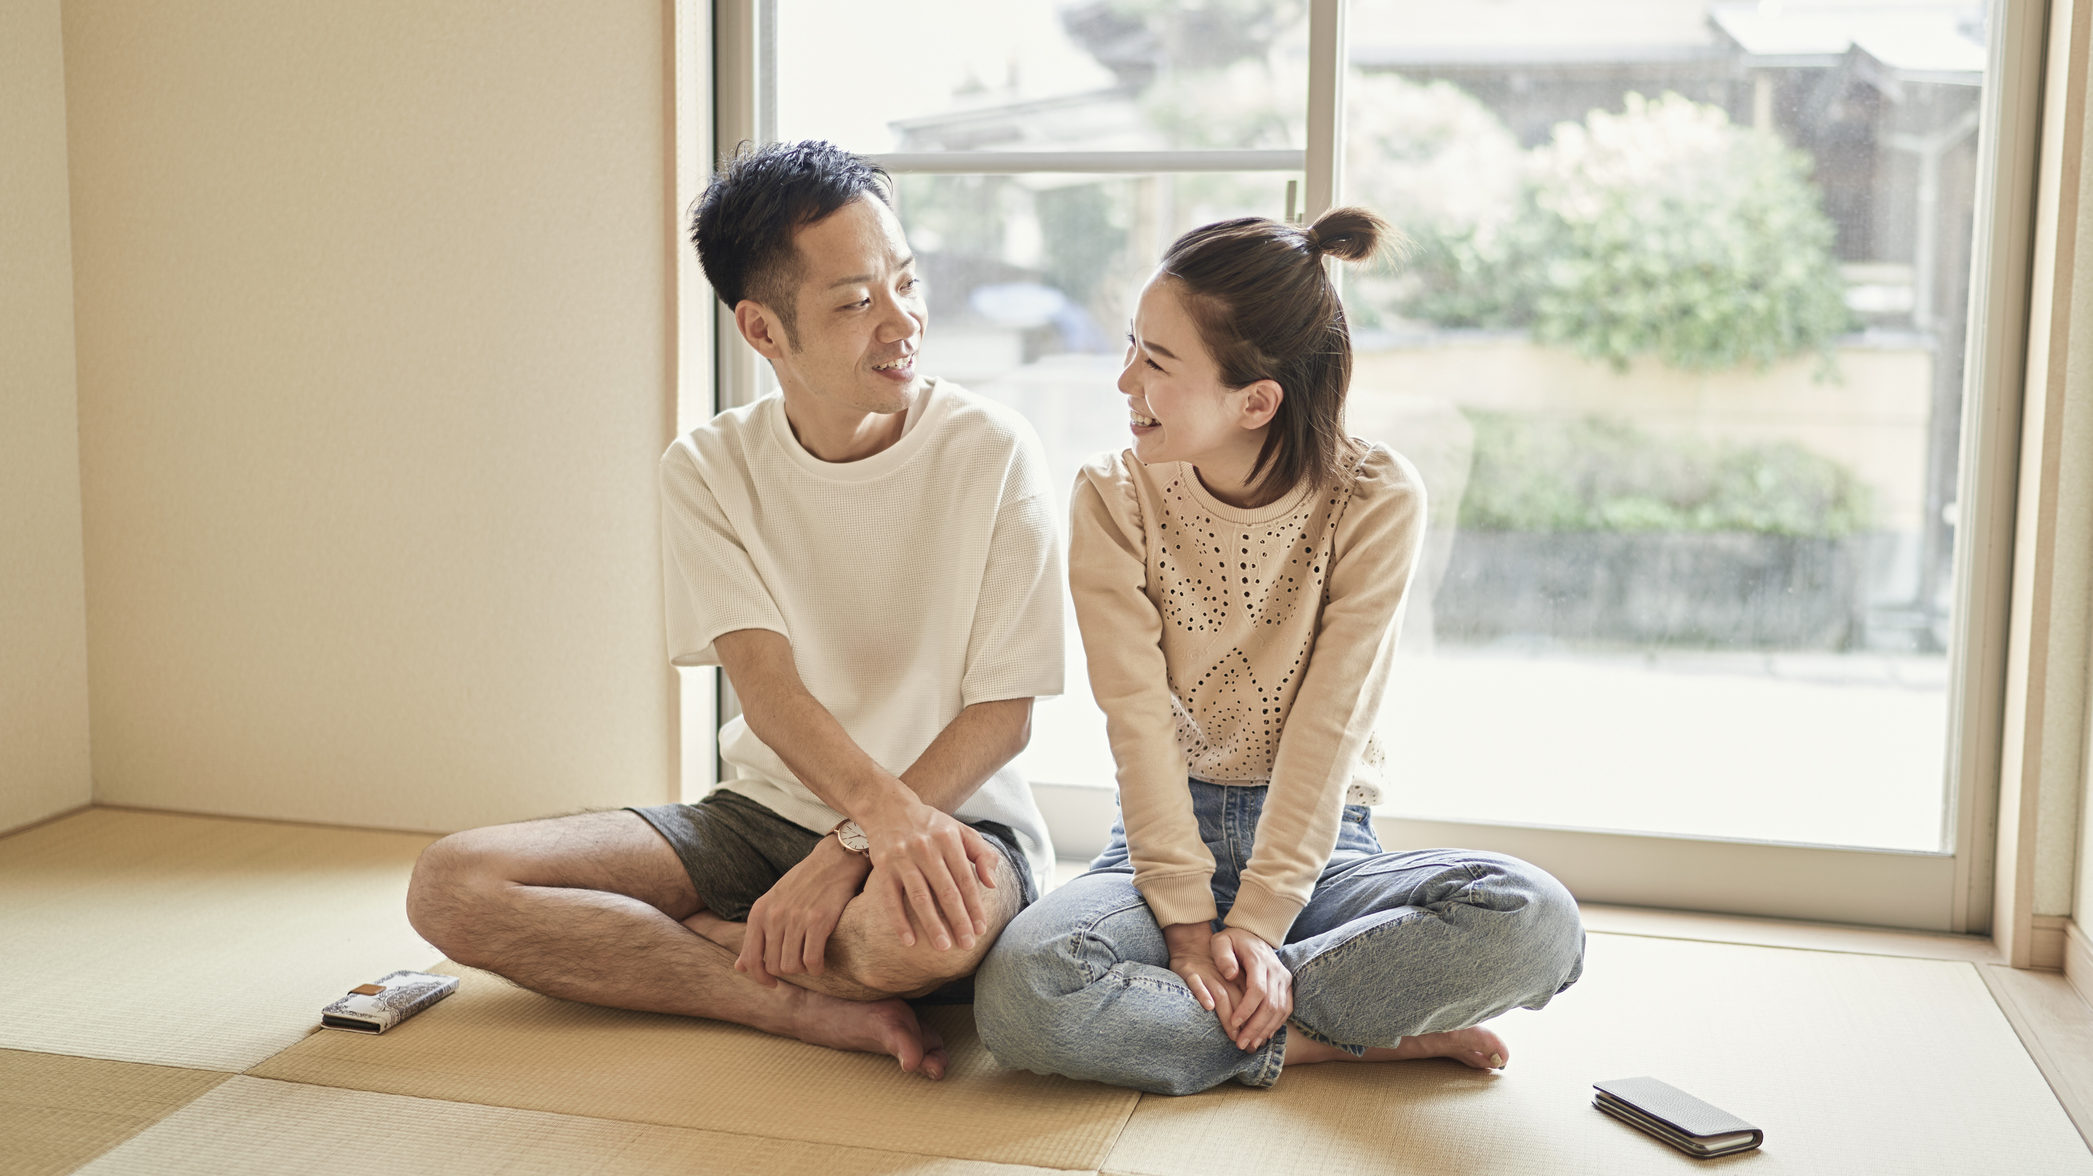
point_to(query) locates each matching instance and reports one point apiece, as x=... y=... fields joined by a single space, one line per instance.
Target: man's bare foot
x=865 y=1026
x=883 y=1026
x=1474 y=1046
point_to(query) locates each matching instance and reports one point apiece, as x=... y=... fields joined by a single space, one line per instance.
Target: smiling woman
x=1261 y=340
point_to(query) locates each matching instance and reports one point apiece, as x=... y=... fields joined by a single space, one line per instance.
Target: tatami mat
x=499 y=1045
x=193 y=941
x=1849 y=1063
x=58 y=1112
x=211 y=944
x=250 y=1125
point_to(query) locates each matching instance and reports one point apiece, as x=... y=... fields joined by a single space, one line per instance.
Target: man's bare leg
x=590 y=908
x=1474 y=1046
x=864 y=959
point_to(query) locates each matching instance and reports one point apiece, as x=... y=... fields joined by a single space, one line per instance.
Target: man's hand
x=926 y=860
x=1268 y=988
x=935 y=866
x=788 y=927
x=1192 y=958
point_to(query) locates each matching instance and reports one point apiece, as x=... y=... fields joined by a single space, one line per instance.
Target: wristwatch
x=852 y=837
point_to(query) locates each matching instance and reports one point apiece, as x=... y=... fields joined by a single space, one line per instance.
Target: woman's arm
x=1122 y=639
x=1373 y=554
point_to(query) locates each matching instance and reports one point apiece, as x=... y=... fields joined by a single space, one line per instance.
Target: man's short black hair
x=744 y=222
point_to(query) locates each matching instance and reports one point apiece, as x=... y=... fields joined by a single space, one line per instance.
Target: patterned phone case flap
x=1667 y=1103
x=403 y=994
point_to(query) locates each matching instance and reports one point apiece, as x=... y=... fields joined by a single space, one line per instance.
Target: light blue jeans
x=1391 y=945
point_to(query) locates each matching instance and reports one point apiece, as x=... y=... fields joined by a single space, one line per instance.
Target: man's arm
x=971 y=748
x=930 y=859
x=792 y=722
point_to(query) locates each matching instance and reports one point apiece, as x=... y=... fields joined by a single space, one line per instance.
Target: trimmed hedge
x=1598 y=474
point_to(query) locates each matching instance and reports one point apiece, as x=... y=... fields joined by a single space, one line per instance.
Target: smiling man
x=872 y=555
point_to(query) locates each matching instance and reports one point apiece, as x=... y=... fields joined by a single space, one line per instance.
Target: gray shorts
x=735 y=849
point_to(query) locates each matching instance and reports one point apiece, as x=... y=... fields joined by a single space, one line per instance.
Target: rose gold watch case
x=852 y=837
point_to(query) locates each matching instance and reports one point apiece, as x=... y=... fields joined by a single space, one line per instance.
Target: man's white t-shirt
x=912 y=584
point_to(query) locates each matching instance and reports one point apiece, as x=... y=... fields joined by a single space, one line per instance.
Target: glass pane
x=1042 y=75
x=1031 y=280
x=1679 y=351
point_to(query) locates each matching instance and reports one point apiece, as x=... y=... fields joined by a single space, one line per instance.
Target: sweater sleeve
x=1122 y=639
x=709 y=582
x=1373 y=554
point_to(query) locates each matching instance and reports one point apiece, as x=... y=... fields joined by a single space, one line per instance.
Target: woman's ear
x=1260 y=403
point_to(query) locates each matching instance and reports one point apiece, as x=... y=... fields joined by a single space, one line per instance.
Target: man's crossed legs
x=599 y=908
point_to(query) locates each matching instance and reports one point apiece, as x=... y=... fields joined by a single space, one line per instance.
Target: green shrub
x=1664 y=230
x=1446 y=171
x=1599 y=474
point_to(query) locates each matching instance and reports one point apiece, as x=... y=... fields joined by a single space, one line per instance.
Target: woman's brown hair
x=1266 y=310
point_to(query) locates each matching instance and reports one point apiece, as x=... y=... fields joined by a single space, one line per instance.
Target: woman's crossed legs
x=1397 y=955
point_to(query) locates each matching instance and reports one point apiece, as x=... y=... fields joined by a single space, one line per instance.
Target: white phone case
x=374 y=1008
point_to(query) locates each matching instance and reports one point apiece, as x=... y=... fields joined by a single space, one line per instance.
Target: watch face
x=853 y=838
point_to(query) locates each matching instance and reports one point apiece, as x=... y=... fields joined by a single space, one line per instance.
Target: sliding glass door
x=1695 y=342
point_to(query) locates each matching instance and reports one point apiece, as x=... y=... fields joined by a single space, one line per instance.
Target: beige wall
x=43 y=619
x=2064 y=849
x=2061 y=875
x=373 y=372
x=2054 y=528
x=1871 y=416
x=2060 y=803
x=2081 y=907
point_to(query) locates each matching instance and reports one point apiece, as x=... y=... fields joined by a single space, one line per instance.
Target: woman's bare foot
x=883 y=1026
x=1474 y=1046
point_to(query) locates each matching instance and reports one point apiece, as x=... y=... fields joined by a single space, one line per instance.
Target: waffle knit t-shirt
x=912 y=584
x=1241 y=646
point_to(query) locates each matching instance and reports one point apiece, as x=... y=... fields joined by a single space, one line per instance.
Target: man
x=873 y=558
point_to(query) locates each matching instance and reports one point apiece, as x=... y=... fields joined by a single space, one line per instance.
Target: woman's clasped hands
x=1235 y=975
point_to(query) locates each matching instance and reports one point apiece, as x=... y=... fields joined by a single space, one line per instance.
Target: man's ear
x=1260 y=404
x=761 y=327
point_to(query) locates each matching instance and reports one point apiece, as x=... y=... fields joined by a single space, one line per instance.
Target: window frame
x=1950 y=890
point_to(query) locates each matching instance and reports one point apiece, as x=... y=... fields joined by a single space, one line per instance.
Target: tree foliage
x=1664 y=230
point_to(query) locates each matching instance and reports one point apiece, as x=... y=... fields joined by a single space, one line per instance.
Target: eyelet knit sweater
x=1241 y=646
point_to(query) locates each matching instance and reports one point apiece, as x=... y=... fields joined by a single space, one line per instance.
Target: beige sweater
x=1240 y=647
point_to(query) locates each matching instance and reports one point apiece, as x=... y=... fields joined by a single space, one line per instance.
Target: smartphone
x=1697 y=1128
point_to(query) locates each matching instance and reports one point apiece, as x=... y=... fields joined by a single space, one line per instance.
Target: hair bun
x=1349 y=233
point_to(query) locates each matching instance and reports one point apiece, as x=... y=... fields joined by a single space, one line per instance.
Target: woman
x=1239 y=577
